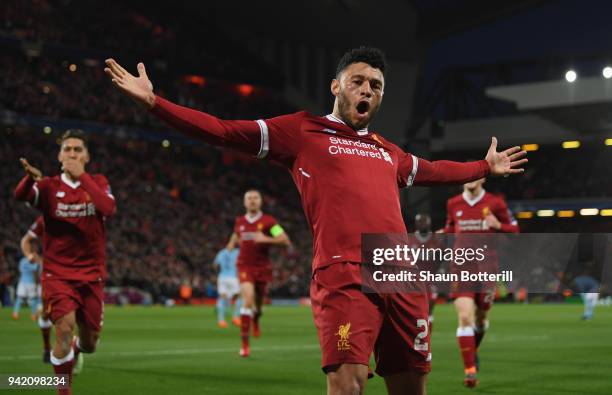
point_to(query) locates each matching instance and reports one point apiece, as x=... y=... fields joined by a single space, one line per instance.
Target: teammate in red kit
x=75 y=206
x=476 y=211
x=256 y=232
x=28 y=241
x=423 y=236
x=349 y=180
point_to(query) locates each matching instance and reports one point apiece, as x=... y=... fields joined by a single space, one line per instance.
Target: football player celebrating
x=349 y=179
x=75 y=205
x=476 y=211
x=256 y=232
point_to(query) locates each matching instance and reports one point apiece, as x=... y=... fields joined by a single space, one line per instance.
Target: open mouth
x=363 y=107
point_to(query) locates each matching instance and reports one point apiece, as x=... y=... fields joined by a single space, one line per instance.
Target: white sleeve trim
x=34 y=235
x=415 y=167
x=265 y=139
x=36 y=194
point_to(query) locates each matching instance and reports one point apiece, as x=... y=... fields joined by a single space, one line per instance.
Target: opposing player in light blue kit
x=588 y=287
x=29 y=243
x=227 y=285
x=27 y=287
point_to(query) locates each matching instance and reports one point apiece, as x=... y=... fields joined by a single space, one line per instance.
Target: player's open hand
x=506 y=162
x=138 y=88
x=74 y=168
x=31 y=170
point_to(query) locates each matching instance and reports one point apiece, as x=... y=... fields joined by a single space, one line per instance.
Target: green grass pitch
x=530 y=349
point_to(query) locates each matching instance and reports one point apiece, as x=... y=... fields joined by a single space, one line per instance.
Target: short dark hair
x=370 y=55
x=254 y=190
x=74 y=134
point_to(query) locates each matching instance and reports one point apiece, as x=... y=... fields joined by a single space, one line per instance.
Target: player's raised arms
x=236 y=134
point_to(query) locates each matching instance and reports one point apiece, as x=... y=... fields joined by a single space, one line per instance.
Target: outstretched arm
x=247 y=136
x=441 y=172
x=448 y=172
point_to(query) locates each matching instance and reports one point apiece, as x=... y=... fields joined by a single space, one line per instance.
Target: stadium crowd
x=70 y=26
x=46 y=86
x=176 y=209
x=172 y=217
x=176 y=205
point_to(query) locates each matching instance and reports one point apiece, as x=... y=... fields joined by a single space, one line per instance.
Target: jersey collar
x=333 y=118
x=69 y=182
x=254 y=218
x=473 y=202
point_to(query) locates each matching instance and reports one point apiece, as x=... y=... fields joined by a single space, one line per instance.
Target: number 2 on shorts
x=418 y=344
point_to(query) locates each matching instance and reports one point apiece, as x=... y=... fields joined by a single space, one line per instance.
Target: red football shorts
x=260 y=276
x=352 y=324
x=483 y=293
x=86 y=298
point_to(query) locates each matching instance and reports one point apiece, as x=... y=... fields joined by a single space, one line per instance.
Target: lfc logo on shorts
x=343 y=337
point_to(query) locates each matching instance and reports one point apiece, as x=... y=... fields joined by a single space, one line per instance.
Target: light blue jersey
x=27 y=271
x=586 y=284
x=226 y=260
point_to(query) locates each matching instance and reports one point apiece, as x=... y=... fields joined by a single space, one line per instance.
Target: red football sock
x=245 y=325
x=467 y=344
x=256 y=317
x=63 y=366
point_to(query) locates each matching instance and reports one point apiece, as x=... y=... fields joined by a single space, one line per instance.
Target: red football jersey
x=251 y=253
x=466 y=215
x=37 y=229
x=348 y=180
x=74 y=241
